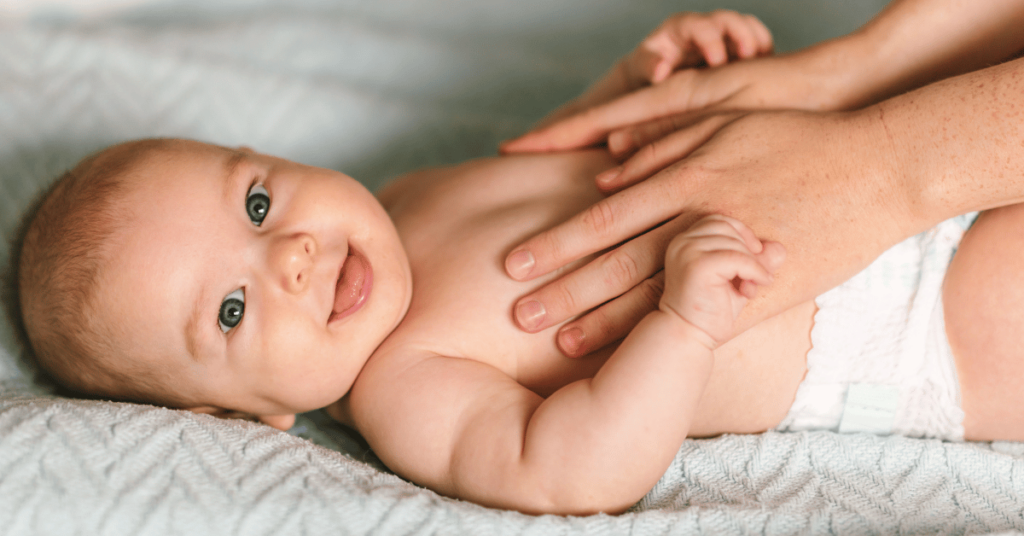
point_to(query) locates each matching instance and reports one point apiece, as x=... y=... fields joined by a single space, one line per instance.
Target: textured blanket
x=376 y=89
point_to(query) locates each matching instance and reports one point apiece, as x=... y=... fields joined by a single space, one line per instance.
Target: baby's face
x=258 y=284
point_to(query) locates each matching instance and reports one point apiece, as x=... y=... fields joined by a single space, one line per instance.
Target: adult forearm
x=912 y=43
x=959 y=144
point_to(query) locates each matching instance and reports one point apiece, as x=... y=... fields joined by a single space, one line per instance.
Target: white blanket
x=376 y=89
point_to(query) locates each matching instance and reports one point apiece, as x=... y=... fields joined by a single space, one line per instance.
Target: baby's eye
x=231 y=310
x=257 y=204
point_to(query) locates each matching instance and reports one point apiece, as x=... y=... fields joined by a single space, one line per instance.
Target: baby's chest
x=463 y=309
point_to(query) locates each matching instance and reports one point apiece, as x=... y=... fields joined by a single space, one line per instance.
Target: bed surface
x=376 y=89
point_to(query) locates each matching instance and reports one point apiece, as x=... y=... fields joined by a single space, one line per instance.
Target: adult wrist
x=842 y=74
x=882 y=157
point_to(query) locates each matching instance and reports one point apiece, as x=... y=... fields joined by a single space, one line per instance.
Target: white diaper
x=880 y=360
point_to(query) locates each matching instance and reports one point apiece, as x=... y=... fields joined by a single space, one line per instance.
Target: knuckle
x=648 y=153
x=622 y=270
x=566 y=299
x=599 y=218
x=677 y=249
x=601 y=326
x=651 y=290
x=676 y=122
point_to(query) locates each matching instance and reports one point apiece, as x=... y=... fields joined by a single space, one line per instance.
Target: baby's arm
x=467 y=430
x=684 y=40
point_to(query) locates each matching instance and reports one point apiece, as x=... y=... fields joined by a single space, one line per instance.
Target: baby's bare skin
x=447 y=390
x=457 y=225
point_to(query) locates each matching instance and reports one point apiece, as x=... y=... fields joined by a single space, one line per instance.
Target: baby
x=238 y=284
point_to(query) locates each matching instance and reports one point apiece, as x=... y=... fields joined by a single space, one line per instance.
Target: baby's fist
x=712 y=270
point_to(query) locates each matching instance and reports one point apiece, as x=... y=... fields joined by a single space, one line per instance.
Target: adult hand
x=821 y=184
x=683 y=41
x=909 y=44
x=808 y=80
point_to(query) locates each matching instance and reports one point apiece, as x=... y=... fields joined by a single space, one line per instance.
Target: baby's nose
x=291 y=257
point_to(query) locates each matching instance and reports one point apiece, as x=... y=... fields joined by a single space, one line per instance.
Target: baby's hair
x=56 y=258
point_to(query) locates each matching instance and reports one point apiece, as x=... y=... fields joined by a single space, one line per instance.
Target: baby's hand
x=694 y=39
x=712 y=270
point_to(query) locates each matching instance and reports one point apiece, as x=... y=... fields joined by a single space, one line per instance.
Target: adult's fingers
x=657 y=154
x=610 y=275
x=611 y=321
x=626 y=140
x=605 y=223
x=592 y=126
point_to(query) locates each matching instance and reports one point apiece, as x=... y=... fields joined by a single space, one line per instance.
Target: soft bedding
x=377 y=89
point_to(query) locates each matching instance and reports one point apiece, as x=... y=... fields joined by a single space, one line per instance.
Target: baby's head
x=195 y=276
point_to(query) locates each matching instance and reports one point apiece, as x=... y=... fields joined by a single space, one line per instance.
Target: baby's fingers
x=722 y=225
x=740 y=38
x=738 y=268
x=769 y=259
x=711 y=43
x=772 y=255
x=747 y=37
x=768 y=253
x=763 y=37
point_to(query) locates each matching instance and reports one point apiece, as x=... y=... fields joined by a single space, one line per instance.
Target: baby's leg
x=983 y=298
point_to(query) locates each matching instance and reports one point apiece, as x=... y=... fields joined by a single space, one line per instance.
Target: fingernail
x=519 y=264
x=530 y=315
x=570 y=341
x=606 y=178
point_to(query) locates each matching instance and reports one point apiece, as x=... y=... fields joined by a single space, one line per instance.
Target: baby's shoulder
x=402 y=187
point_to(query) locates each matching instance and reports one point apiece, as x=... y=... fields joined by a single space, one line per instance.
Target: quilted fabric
x=376 y=89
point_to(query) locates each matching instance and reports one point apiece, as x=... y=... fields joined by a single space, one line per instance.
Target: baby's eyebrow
x=232 y=163
x=231 y=171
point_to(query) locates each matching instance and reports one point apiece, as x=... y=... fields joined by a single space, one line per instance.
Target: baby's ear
x=281 y=422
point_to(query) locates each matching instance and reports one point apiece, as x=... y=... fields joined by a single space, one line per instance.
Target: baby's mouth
x=354 y=284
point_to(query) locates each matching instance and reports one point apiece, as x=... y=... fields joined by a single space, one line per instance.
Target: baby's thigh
x=983 y=298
